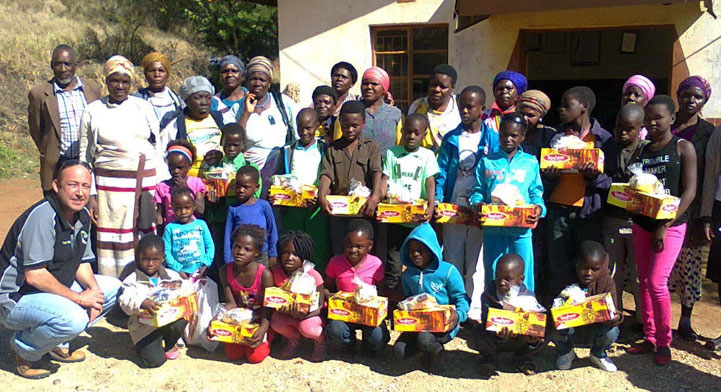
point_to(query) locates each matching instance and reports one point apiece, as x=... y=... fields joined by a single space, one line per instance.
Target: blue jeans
x=603 y=337
x=340 y=333
x=43 y=321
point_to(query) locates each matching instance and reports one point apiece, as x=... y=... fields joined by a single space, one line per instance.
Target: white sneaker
x=604 y=364
x=564 y=362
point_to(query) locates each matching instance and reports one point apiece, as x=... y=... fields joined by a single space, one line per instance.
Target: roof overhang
x=494 y=7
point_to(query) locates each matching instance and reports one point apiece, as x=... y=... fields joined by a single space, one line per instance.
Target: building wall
x=315 y=34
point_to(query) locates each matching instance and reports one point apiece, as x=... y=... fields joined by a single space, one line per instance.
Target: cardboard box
x=400 y=213
x=231 y=333
x=596 y=309
x=220 y=186
x=169 y=311
x=342 y=306
x=283 y=300
x=436 y=319
x=286 y=197
x=647 y=204
x=346 y=205
x=507 y=216
x=568 y=160
x=619 y=195
x=518 y=322
x=451 y=213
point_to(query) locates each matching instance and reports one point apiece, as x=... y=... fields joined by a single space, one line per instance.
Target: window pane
x=391 y=40
x=394 y=64
x=402 y=105
x=430 y=37
x=399 y=88
x=423 y=64
x=420 y=88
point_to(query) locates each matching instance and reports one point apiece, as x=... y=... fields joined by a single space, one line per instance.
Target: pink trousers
x=653 y=272
x=293 y=328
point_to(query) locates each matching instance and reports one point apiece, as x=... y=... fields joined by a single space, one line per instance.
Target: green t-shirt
x=410 y=169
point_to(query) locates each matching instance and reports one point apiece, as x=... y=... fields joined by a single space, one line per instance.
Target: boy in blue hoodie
x=426 y=272
x=509 y=165
x=460 y=152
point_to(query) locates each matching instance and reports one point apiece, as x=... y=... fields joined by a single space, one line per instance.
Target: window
x=408 y=54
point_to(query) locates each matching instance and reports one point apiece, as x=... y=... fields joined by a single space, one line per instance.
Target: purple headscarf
x=516 y=78
x=695 y=81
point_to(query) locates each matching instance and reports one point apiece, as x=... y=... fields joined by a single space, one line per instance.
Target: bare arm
x=43 y=280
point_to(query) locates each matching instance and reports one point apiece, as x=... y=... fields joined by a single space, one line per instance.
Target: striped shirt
x=71 y=105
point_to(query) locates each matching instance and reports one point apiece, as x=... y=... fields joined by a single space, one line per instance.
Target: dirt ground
x=110 y=364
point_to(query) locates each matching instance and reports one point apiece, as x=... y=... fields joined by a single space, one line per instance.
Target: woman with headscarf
x=692 y=94
x=267 y=116
x=383 y=122
x=534 y=105
x=507 y=86
x=638 y=89
x=229 y=99
x=156 y=68
x=439 y=106
x=115 y=139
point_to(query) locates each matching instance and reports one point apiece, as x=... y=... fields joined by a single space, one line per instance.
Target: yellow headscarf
x=155 y=57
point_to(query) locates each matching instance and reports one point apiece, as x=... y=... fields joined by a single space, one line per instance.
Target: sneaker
x=662 y=357
x=564 y=362
x=604 y=363
x=644 y=347
x=180 y=343
x=319 y=352
x=290 y=350
x=64 y=355
x=687 y=333
x=28 y=369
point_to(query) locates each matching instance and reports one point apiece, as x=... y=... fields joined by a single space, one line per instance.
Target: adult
x=324 y=103
x=638 y=89
x=156 y=68
x=230 y=97
x=48 y=292
x=115 y=135
x=54 y=113
x=692 y=94
x=343 y=77
x=507 y=86
x=711 y=213
x=267 y=116
x=534 y=105
x=439 y=106
x=197 y=123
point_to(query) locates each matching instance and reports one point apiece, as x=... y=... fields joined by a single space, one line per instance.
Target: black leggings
x=409 y=343
x=150 y=348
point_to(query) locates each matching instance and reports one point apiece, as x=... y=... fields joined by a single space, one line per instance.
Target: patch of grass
x=18 y=156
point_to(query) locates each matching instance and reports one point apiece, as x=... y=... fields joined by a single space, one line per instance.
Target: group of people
x=125 y=183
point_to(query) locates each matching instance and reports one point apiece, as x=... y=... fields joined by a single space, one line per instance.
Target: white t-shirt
x=305 y=164
x=266 y=131
x=467 y=160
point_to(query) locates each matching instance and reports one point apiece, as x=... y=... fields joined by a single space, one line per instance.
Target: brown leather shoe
x=28 y=369
x=64 y=355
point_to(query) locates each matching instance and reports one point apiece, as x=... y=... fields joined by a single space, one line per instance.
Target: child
x=254 y=211
x=341 y=270
x=594 y=278
x=507 y=87
x=617 y=223
x=412 y=168
x=460 y=152
x=657 y=243
x=189 y=246
x=576 y=199
x=245 y=284
x=509 y=165
x=152 y=345
x=508 y=284
x=294 y=248
x=180 y=155
x=426 y=272
x=353 y=156
x=233 y=142
x=303 y=160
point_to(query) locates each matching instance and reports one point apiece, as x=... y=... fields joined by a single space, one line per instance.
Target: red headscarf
x=381 y=76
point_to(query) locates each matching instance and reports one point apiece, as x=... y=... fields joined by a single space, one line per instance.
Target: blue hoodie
x=440 y=279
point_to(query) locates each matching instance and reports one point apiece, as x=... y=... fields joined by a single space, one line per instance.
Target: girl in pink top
x=293 y=248
x=180 y=155
x=246 y=281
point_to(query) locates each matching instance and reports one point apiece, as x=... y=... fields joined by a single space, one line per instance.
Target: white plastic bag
x=398 y=194
x=644 y=182
x=570 y=142
x=302 y=282
x=418 y=302
x=287 y=181
x=507 y=194
x=364 y=292
x=195 y=331
x=357 y=189
x=571 y=295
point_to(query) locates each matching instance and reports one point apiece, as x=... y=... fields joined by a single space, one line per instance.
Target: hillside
x=32 y=28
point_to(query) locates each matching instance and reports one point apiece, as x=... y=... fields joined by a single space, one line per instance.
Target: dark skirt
x=713 y=270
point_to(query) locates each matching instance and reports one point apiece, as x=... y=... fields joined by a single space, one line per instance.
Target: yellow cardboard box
x=400 y=213
x=169 y=311
x=451 y=213
x=346 y=205
x=619 y=194
x=517 y=321
x=568 y=160
x=342 y=306
x=507 y=216
x=284 y=301
x=435 y=319
x=289 y=198
x=596 y=309
x=647 y=204
x=231 y=333
x=221 y=186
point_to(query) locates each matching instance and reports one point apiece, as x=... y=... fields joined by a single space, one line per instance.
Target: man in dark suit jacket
x=55 y=110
